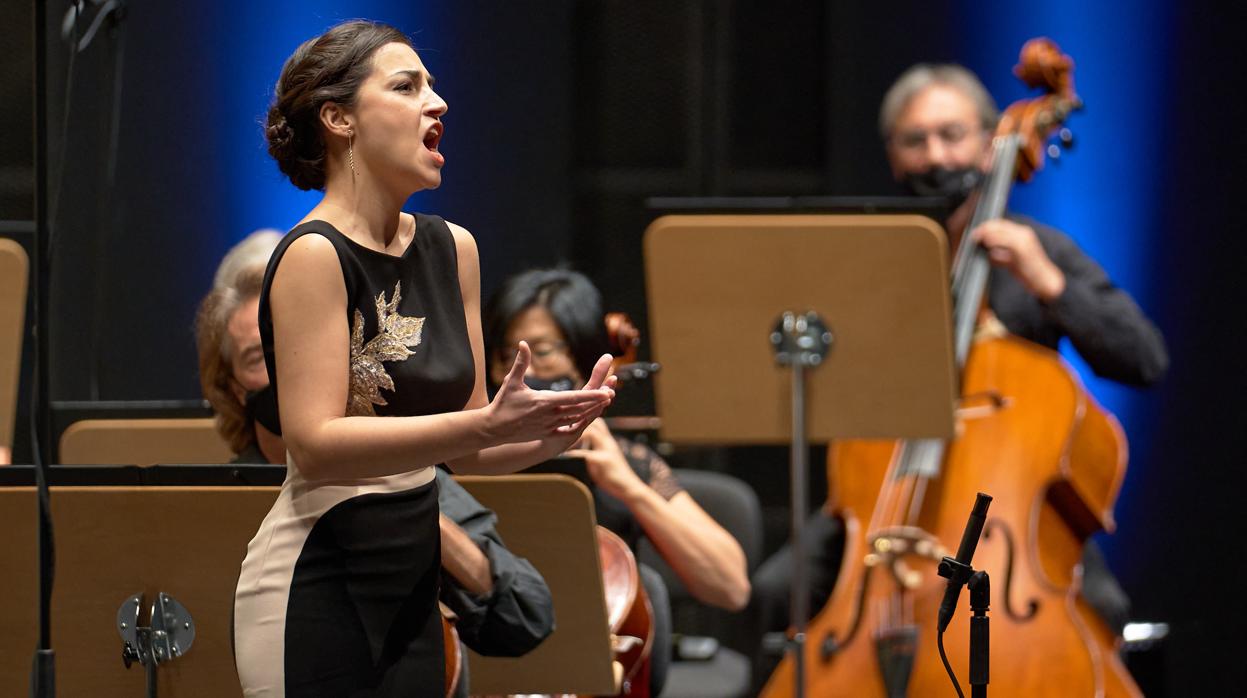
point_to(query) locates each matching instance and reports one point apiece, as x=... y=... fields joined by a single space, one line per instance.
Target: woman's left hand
x=606 y=462
x=568 y=436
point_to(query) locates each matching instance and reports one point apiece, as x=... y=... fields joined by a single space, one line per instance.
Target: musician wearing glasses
x=558 y=313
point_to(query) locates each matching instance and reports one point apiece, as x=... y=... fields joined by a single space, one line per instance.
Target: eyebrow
x=533 y=340
x=415 y=75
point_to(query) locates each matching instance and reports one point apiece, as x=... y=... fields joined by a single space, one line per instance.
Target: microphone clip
x=958 y=574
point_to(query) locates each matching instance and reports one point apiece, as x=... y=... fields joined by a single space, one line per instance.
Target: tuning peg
x=1054 y=151
x=1067 y=138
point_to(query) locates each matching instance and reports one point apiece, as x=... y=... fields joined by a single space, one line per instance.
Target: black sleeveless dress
x=338 y=593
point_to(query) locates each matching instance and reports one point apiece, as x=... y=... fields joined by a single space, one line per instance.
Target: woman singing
x=370 y=324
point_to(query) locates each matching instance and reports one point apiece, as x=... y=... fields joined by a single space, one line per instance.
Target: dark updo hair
x=326 y=68
x=572 y=301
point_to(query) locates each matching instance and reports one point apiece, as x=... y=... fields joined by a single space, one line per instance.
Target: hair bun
x=279 y=133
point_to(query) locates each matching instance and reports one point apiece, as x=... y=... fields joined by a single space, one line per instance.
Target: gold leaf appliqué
x=396 y=337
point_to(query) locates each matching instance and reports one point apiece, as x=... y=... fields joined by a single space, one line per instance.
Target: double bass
x=1027 y=433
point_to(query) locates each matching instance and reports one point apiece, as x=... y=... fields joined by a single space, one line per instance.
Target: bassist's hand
x=1016 y=247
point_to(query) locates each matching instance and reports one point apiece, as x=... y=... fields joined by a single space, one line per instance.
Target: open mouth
x=433 y=137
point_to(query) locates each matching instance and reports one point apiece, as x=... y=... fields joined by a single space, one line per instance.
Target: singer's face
x=398 y=121
x=939 y=127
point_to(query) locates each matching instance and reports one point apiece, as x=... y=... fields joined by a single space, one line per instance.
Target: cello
x=629 y=616
x=629 y=612
x=1027 y=433
x=452 y=655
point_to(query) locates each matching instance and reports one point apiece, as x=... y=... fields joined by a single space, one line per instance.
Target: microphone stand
x=959 y=573
x=43 y=665
x=980 y=632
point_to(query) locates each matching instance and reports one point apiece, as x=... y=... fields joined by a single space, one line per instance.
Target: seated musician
x=559 y=313
x=502 y=602
x=937 y=123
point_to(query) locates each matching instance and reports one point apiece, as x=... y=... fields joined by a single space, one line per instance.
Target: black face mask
x=262 y=407
x=954 y=185
x=556 y=384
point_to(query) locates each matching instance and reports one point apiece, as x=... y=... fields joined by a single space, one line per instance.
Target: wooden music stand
x=14 y=268
x=113 y=543
x=550 y=520
x=716 y=285
x=143 y=442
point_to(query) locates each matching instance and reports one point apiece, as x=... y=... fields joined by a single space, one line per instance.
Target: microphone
x=958 y=570
x=114 y=8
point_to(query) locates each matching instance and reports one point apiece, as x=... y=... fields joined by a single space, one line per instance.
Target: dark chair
x=660 y=654
x=726 y=674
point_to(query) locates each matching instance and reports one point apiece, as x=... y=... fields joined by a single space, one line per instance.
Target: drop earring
x=350 y=150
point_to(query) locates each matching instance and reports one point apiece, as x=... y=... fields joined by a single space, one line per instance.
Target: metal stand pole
x=43 y=665
x=980 y=633
x=152 y=682
x=800 y=585
x=799 y=341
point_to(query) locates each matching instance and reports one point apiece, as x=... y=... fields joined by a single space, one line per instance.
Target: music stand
x=716 y=286
x=143 y=441
x=114 y=543
x=14 y=267
x=550 y=520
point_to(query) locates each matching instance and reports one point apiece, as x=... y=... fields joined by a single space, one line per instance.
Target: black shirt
x=1101 y=320
x=519 y=613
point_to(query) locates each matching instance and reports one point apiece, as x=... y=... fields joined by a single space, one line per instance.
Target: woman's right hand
x=518 y=413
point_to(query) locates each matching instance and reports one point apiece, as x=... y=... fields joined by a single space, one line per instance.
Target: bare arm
x=506 y=458
x=463 y=560
x=312 y=346
x=705 y=556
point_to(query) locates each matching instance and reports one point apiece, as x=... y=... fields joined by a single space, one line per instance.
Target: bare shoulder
x=465 y=244
x=310 y=263
x=469 y=259
x=310 y=249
